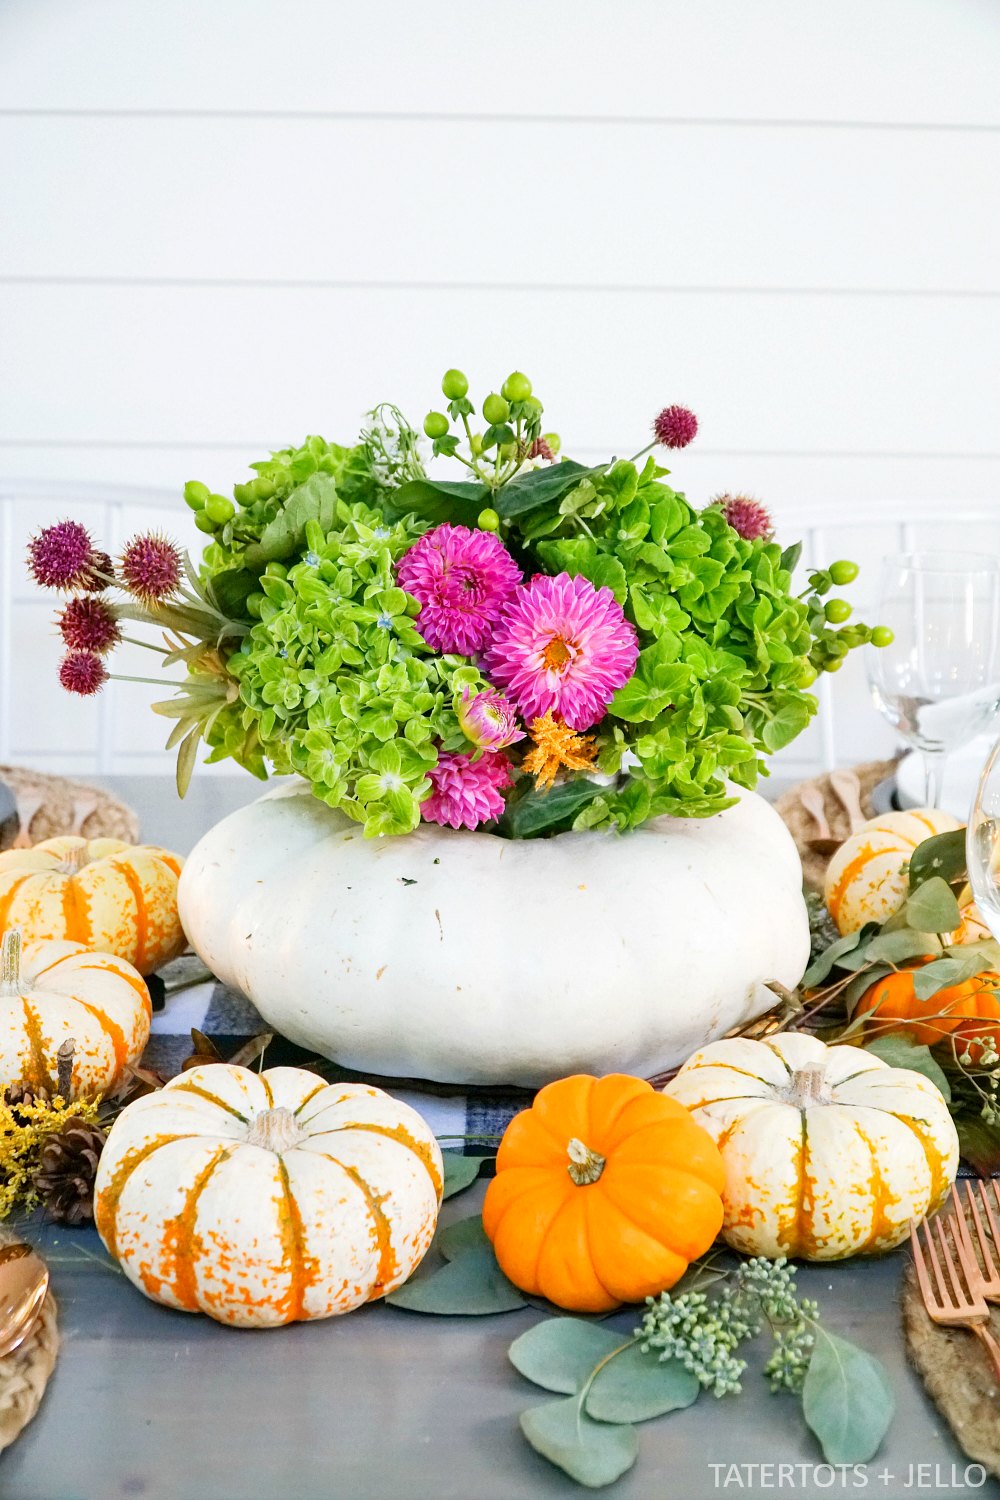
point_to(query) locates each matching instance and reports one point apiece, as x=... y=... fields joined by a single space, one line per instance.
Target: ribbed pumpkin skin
x=654 y=1208
x=113 y=897
x=892 y=1005
x=333 y=1215
x=837 y=1177
x=866 y=879
x=64 y=991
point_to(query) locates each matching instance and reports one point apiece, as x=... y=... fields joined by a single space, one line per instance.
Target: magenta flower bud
x=488 y=720
x=151 y=568
x=89 y=624
x=747 y=516
x=675 y=427
x=82 y=672
x=61 y=556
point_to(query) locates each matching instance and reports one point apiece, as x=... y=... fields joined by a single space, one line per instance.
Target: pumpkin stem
x=73 y=858
x=808 y=1086
x=10 y=962
x=585 y=1166
x=275 y=1130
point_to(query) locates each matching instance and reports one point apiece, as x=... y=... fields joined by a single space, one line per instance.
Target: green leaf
x=438 y=500
x=537 y=811
x=790 y=557
x=541 y=486
x=902 y=944
x=932 y=907
x=186 y=756
x=847 y=1400
x=473 y=1285
x=943 y=854
x=900 y=1050
x=459 y=1171
x=592 y=1453
x=634 y=1386
x=787 y=724
x=944 y=972
x=230 y=589
x=560 y=1353
x=821 y=966
x=458 y=1239
x=315 y=500
x=979 y=1144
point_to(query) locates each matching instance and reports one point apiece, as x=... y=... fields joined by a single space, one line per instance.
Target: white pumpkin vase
x=468 y=958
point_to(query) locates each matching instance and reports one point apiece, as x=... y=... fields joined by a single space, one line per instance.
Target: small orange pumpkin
x=605 y=1192
x=978 y=1027
x=893 y=1006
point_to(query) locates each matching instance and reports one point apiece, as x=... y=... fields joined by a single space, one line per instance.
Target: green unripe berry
x=435 y=424
x=834 y=665
x=837 y=611
x=495 y=408
x=516 y=387
x=454 y=385
x=276 y=570
x=219 y=509
x=204 y=522
x=808 y=675
x=195 y=494
x=254 y=604
x=243 y=494
x=262 y=488
x=476 y=443
x=843 y=572
x=507 y=450
x=488 y=520
x=882 y=636
x=553 y=439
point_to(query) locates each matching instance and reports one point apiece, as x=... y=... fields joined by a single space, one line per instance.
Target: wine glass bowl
x=982 y=843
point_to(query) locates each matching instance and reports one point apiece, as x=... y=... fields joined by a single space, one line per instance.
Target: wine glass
x=982 y=843
x=938 y=683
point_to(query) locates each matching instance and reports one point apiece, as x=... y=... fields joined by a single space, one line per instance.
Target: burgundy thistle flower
x=82 y=672
x=461 y=580
x=100 y=574
x=151 y=568
x=747 y=516
x=675 y=427
x=61 y=556
x=541 y=449
x=89 y=624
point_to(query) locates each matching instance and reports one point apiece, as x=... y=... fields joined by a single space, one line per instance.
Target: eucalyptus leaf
x=473 y=1285
x=820 y=968
x=932 y=907
x=541 y=487
x=944 y=972
x=847 y=1400
x=459 y=1171
x=633 y=1387
x=862 y=982
x=902 y=944
x=900 y=1050
x=560 y=1354
x=458 y=1239
x=592 y=1453
x=943 y=855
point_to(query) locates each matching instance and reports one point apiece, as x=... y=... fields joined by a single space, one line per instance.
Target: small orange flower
x=557 y=746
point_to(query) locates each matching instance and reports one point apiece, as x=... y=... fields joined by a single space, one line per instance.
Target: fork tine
x=994 y=1222
x=981 y=1235
x=974 y=1282
x=944 y=1296
x=960 y=1294
x=920 y=1265
x=957 y=1215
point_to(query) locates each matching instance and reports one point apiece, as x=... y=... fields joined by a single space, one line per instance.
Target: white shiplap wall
x=227 y=223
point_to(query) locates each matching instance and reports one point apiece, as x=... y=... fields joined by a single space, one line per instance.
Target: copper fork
x=948 y=1284
x=984 y=1207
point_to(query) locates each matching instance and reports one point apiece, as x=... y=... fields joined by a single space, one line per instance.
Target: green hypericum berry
x=516 y=387
x=196 y=494
x=276 y=570
x=435 y=424
x=204 y=522
x=488 y=520
x=507 y=450
x=843 y=572
x=834 y=665
x=454 y=385
x=254 y=603
x=495 y=408
x=837 y=611
x=476 y=442
x=553 y=439
x=808 y=675
x=882 y=636
x=219 y=509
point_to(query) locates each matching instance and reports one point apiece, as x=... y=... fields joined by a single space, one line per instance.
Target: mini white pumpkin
x=828 y=1151
x=866 y=880
x=267 y=1198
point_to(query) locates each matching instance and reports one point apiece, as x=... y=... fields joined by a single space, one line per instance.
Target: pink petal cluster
x=62 y=556
x=562 y=646
x=488 y=720
x=466 y=791
x=675 y=427
x=541 y=449
x=82 y=672
x=151 y=568
x=747 y=516
x=461 y=580
x=89 y=624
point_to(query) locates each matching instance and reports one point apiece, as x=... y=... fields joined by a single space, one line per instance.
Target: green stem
x=133 y=640
x=153 y=681
x=642 y=452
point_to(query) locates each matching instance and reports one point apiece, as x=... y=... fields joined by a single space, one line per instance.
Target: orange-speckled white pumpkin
x=828 y=1151
x=866 y=879
x=267 y=1198
x=972 y=928
x=113 y=897
x=51 y=993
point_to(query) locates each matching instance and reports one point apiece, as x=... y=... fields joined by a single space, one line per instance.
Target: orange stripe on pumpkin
x=136 y=981
x=309 y=1097
x=112 y=1031
x=195 y=1088
x=388 y=1268
x=7 y=901
x=882 y=1225
x=303 y=1269
x=181 y=1244
x=107 y=1200
x=36 y=1073
x=402 y=1137
x=139 y=897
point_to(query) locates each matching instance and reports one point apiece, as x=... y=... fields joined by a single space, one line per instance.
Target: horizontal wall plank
x=909 y=60
x=775 y=374
x=384 y=202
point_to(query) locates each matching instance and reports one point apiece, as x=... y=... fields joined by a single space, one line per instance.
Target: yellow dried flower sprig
x=24 y=1129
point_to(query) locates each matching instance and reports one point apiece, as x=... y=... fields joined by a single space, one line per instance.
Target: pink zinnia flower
x=82 y=672
x=564 y=647
x=461 y=580
x=488 y=720
x=151 y=568
x=466 y=791
x=747 y=516
x=61 y=556
x=89 y=624
x=675 y=427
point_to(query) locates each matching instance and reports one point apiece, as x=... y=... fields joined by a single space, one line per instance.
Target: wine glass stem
x=933 y=777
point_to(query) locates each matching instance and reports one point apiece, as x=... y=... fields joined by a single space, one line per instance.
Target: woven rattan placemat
x=802 y=825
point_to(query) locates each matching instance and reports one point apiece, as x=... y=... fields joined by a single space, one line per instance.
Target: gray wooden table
x=389 y=1405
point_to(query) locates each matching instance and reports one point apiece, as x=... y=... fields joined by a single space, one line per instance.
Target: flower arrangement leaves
x=469 y=1284
x=460 y=1171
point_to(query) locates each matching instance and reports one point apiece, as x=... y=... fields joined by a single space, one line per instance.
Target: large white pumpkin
x=464 y=957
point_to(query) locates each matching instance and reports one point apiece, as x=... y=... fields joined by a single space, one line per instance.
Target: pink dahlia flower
x=563 y=647
x=675 y=427
x=488 y=720
x=461 y=580
x=747 y=516
x=466 y=791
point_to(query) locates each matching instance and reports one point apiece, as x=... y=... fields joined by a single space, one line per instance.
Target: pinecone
x=67 y=1166
x=21 y=1093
